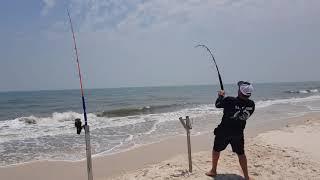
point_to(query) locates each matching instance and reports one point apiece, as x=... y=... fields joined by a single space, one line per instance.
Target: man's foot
x=211 y=173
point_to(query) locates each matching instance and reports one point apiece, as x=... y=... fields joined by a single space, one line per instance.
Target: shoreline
x=133 y=159
x=251 y=133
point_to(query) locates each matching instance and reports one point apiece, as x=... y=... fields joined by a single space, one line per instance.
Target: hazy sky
x=151 y=42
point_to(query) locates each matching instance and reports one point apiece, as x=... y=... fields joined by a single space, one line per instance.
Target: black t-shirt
x=235 y=114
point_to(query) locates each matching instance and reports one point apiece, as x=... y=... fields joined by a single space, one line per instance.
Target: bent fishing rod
x=78 y=121
x=220 y=79
x=79 y=70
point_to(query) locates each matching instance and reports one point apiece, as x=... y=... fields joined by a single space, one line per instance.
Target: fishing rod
x=220 y=80
x=78 y=121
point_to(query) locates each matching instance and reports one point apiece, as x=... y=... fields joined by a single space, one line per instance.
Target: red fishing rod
x=78 y=121
x=79 y=70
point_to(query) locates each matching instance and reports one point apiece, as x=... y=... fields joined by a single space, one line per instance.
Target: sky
x=129 y=43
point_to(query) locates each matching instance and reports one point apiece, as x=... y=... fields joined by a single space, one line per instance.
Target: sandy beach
x=102 y=88
x=287 y=150
x=289 y=153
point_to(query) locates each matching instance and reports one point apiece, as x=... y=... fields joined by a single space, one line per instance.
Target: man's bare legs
x=243 y=164
x=215 y=159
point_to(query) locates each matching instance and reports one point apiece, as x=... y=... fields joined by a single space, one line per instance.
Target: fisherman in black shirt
x=236 y=110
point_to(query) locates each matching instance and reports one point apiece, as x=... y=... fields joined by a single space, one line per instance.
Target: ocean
x=39 y=125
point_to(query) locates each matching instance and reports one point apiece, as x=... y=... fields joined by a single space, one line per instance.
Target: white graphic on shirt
x=242 y=113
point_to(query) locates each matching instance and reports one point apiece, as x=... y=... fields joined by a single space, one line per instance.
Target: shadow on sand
x=228 y=177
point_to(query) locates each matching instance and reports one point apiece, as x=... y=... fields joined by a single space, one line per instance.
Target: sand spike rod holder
x=187 y=125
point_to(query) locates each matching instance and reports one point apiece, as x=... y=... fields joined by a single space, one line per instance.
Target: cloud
x=48 y=4
x=102 y=14
x=128 y=15
x=144 y=38
x=110 y=14
x=150 y=42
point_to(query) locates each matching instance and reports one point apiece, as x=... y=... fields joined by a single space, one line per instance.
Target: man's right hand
x=221 y=93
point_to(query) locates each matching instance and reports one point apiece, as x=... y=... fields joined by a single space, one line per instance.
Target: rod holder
x=88 y=152
x=187 y=126
x=79 y=127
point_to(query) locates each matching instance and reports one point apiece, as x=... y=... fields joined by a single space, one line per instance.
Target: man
x=236 y=110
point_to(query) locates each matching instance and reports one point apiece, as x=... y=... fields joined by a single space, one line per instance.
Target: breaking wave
x=140 y=111
x=63 y=123
x=266 y=103
x=302 y=91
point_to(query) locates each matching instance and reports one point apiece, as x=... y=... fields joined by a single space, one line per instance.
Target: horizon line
x=155 y=86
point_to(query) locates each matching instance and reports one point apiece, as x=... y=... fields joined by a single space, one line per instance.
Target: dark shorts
x=237 y=143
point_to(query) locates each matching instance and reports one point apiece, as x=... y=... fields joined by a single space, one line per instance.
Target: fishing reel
x=78 y=125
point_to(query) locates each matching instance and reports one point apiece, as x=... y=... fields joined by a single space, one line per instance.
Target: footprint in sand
x=257 y=165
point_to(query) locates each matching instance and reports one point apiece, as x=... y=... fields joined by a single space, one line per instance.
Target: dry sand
x=289 y=153
x=265 y=162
